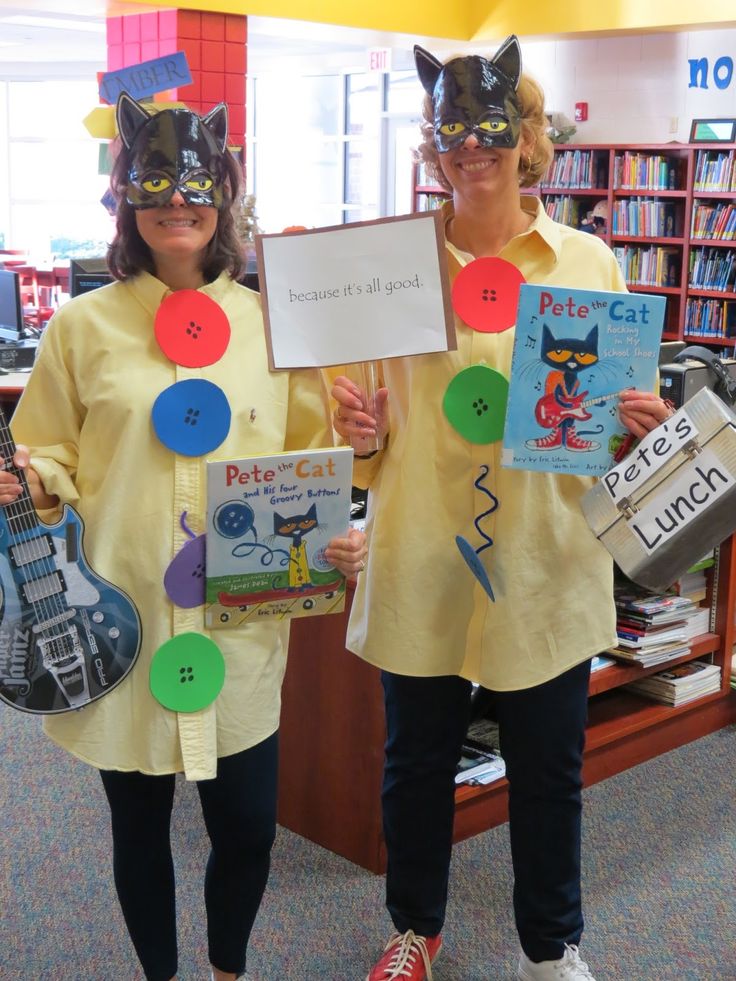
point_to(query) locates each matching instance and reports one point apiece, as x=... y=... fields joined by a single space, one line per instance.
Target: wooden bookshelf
x=332 y=730
x=640 y=184
x=658 y=197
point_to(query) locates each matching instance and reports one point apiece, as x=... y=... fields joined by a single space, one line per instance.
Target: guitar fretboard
x=20 y=514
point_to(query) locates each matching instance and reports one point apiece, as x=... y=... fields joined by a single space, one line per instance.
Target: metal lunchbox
x=673 y=498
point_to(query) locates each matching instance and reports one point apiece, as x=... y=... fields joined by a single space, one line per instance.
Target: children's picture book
x=574 y=351
x=269 y=519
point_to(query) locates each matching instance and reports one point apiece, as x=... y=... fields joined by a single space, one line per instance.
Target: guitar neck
x=601 y=398
x=20 y=514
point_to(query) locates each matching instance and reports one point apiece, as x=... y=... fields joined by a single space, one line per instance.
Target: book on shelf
x=269 y=519
x=479 y=765
x=576 y=169
x=651 y=608
x=633 y=637
x=712 y=268
x=715 y=171
x=634 y=170
x=646 y=217
x=680 y=684
x=483 y=733
x=648 y=657
x=601 y=661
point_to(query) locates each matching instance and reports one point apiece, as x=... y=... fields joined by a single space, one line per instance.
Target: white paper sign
x=357 y=292
x=649 y=455
x=699 y=482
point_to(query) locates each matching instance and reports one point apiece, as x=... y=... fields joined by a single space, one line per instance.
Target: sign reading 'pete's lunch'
x=697 y=484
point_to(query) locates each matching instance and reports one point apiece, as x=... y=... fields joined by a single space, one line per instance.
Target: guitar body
x=549 y=413
x=67 y=637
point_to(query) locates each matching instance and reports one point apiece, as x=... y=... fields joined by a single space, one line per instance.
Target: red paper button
x=485 y=294
x=191 y=329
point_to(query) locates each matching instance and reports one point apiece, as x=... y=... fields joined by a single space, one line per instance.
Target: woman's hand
x=641 y=412
x=348 y=554
x=11 y=487
x=360 y=421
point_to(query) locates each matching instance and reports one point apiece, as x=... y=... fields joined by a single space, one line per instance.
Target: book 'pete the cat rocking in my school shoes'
x=574 y=351
x=269 y=519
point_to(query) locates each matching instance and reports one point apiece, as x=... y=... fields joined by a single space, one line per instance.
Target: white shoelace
x=572 y=961
x=409 y=947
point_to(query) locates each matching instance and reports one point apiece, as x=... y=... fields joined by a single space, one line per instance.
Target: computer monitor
x=11 y=306
x=668 y=350
x=87 y=274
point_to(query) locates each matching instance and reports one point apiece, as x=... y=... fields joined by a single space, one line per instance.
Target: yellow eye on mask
x=154 y=185
x=200 y=183
x=452 y=129
x=495 y=125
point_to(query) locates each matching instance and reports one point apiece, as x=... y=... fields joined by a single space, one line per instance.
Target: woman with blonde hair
x=418 y=614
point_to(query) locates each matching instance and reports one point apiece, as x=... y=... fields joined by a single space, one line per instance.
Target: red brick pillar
x=215 y=47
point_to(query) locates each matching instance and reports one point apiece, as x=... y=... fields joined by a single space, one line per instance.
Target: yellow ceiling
x=468 y=20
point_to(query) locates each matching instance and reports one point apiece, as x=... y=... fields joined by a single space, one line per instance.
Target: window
x=49 y=204
x=314 y=155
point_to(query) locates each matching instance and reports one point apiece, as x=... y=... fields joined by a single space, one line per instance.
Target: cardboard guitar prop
x=67 y=636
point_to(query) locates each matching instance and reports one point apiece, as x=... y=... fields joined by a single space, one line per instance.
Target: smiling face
x=177 y=232
x=472 y=169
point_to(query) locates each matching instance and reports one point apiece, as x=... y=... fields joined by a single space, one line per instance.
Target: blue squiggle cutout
x=466 y=549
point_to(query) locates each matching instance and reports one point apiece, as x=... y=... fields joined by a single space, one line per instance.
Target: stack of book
x=652 y=629
x=481 y=761
x=680 y=684
x=479 y=766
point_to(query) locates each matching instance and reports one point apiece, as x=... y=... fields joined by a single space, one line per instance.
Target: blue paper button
x=191 y=417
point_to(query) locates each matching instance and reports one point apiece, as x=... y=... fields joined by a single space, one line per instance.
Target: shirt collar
x=150 y=292
x=542 y=226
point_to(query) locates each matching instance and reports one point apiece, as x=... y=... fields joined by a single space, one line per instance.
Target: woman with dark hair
x=418 y=613
x=134 y=386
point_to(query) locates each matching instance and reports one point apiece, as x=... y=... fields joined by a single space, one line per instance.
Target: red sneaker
x=407 y=957
x=549 y=442
x=579 y=445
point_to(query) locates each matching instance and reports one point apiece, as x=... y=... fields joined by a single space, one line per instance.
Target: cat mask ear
x=508 y=59
x=216 y=123
x=129 y=116
x=428 y=68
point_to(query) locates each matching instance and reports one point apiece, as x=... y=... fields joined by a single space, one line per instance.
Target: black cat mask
x=474 y=95
x=172 y=150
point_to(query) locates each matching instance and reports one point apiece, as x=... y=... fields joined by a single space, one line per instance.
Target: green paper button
x=187 y=672
x=475 y=403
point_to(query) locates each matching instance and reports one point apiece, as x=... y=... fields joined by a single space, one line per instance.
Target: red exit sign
x=379 y=59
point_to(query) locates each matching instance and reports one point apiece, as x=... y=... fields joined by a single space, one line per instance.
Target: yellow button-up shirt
x=418 y=610
x=86 y=414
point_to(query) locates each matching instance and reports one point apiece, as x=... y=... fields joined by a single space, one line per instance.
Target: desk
x=11 y=389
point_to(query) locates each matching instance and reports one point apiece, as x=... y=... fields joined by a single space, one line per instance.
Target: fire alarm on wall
x=581 y=112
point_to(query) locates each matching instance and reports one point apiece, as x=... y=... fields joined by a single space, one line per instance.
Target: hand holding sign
x=361 y=416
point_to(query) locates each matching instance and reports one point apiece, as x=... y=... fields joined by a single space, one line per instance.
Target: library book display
x=667 y=210
x=332 y=729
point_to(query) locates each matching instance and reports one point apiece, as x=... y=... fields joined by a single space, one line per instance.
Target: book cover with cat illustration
x=269 y=519
x=574 y=351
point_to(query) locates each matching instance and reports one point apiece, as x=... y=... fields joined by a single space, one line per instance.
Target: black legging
x=239 y=809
